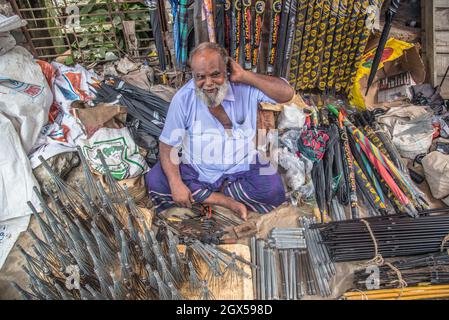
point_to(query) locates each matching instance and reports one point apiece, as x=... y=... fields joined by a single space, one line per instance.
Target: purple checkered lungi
x=260 y=193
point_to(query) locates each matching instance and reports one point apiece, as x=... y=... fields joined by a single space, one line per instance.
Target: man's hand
x=276 y=88
x=182 y=196
x=237 y=72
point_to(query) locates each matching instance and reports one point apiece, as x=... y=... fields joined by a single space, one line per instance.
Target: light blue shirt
x=205 y=143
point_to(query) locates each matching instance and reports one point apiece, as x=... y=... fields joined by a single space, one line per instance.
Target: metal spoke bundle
x=94 y=248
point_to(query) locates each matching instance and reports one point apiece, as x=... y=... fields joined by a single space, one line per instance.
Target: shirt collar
x=229 y=95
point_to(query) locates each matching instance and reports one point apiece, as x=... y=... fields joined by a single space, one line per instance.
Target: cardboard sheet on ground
x=242 y=289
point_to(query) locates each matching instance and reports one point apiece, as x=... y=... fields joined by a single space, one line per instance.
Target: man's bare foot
x=239 y=208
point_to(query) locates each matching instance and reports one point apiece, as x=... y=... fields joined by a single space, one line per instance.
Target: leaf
x=86 y=9
x=85 y=21
x=83 y=43
x=117 y=20
x=69 y=61
x=102 y=52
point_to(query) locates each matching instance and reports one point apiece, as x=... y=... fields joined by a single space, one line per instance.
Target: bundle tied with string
x=379 y=260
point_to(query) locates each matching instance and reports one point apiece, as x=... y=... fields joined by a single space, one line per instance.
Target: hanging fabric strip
x=347 y=43
x=259 y=14
x=305 y=44
x=330 y=38
x=358 y=40
x=247 y=34
x=183 y=32
x=208 y=10
x=319 y=46
x=176 y=42
x=299 y=33
x=343 y=18
x=310 y=64
x=274 y=35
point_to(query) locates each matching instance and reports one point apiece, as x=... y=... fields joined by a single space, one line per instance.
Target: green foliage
x=93 y=44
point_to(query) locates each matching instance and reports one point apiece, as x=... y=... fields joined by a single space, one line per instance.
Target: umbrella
x=389 y=15
x=319 y=184
x=157 y=31
x=149 y=109
x=220 y=22
x=329 y=158
x=349 y=169
x=385 y=167
x=274 y=35
x=360 y=157
x=259 y=15
x=290 y=33
x=247 y=34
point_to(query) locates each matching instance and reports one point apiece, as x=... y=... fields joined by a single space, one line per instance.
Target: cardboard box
x=398 y=57
x=410 y=61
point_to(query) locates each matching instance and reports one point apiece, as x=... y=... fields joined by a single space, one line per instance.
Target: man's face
x=209 y=74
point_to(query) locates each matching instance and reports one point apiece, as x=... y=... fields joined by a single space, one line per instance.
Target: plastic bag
x=25 y=97
x=296 y=169
x=120 y=151
x=291 y=117
x=436 y=170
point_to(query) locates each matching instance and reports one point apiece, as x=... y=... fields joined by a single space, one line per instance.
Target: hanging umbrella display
x=258 y=22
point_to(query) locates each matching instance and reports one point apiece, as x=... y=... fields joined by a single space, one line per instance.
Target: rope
x=364 y=296
x=401 y=282
x=446 y=239
x=378 y=259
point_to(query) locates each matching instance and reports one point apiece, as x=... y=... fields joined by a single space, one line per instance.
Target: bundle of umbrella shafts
x=425 y=269
x=304 y=266
x=408 y=293
x=148 y=109
x=392 y=236
x=360 y=166
x=99 y=245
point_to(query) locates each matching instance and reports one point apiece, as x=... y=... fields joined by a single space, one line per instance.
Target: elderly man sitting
x=212 y=119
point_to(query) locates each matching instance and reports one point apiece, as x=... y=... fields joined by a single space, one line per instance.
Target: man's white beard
x=215 y=100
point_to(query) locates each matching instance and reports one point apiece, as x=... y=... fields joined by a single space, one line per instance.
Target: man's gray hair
x=209 y=46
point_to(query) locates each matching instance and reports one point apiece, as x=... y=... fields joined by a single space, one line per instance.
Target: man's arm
x=180 y=193
x=275 y=88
